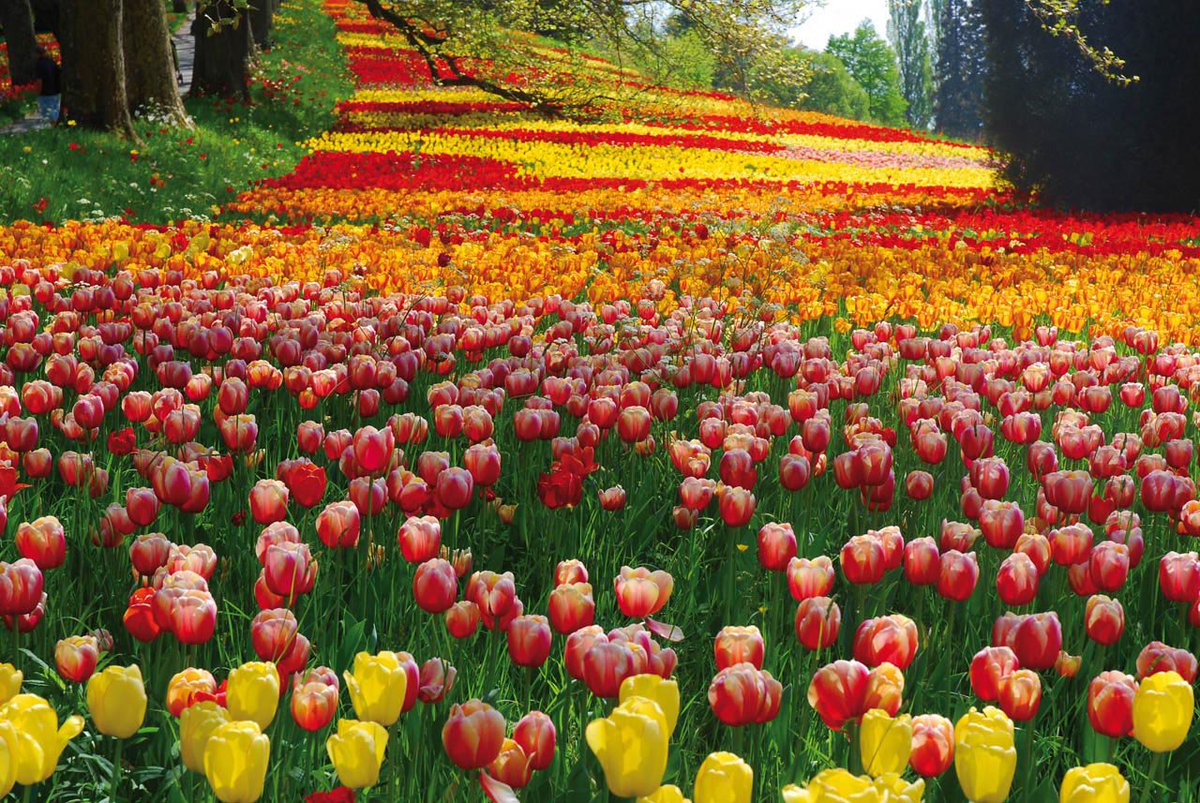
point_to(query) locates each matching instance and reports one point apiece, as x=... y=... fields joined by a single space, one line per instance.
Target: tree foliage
x=872 y=63
x=472 y=43
x=960 y=67
x=1081 y=139
x=910 y=39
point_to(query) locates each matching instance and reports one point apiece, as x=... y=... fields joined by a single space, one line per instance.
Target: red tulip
x=1110 y=703
x=20 y=587
x=736 y=645
x=1017 y=580
x=289 y=569
x=889 y=638
x=958 y=575
x=1001 y=523
x=338 y=525
x=273 y=632
x=529 y=640
x=845 y=690
x=473 y=734
x=863 y=560
x=75 y=658
x=435 y=585
x=990 y=668
x=922 y=561
x=776 y=546
x=818 y=621
x=918 y=485
x=536 y=735
x=1104 y=620
x=743 y=694
x=1108 y=565
x=419 y=538
x=1179 y=576
x=736 y=505
x=810 y=578
x=1021 y=695
x=462 y=619
x=641 y=592
x=43 y=541
x=570 y=571
x=604 y=665
x=314 y=698
x=268 y=501
x=932 y=745
x=437 y=679
x=571 y=607
x=1035 y=638
x=1158 y=657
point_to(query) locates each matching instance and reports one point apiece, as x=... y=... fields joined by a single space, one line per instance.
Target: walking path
x=185 y=47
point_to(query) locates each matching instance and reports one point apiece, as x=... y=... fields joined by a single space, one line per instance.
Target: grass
x=71 y=173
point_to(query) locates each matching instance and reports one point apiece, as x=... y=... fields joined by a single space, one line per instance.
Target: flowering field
x=697 y=451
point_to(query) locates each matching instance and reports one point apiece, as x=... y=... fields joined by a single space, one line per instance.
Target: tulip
x=435 y=585
x=742 y=694
x=922 y=561
x=253 y=692
x=1163 y=708
x=379 y=687
x=735 y=645
x=1021 y=694
x=570 y=571
x=985 y=757
x=631 y=745
x=572 y=607
x=837 y=692
x=235 y=761
x=863 y=560
x=1104 y=620
x=462 y=619
x=273 y=632
x=117 y=701
x=665 y=794
x=10 y=682
x=529 y=639
x=1036 y=639
x=776 y=546
x=512 y=766
x=196 y=725
x=357 y=751
x=932 y=745
x=268 y=501
x=1110 y=703
x=314 y=698
x=338 y=525
x=889 y=638
x=641 y=592
x=810 y=578
x=1095 y=783
x=818 y=620
x=1158 y=657
x=473 y=734
x=436 y=678
x=535 y=733
x=958 y=575
x=186 y=687
x=21 y=584
x=665 y=693
x=43 y=541
x=885 y=742
x=75 y=658
x=724 y=778
x=419 y=538
x=39 y=738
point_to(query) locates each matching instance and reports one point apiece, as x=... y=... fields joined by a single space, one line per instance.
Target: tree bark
x=94 y=67
x=17 y=18
x=223 y=48
x=149 y=64
x=262 y=19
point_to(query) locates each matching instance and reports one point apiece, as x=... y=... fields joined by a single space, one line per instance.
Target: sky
x=838 y=17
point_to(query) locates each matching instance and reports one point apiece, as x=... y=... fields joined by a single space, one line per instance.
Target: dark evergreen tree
x=960 y=68
x=1081 y=139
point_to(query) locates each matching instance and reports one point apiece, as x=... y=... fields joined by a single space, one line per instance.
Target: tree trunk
x=179 y=6
x=149 y=64
x=261 y=14
x=94 y=67
x=223 y=48
x=17 y=18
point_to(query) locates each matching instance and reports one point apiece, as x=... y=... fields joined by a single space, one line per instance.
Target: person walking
x=49 y=77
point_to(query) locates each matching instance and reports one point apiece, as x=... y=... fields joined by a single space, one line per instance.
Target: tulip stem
x=1152 y=777
x=116 y=772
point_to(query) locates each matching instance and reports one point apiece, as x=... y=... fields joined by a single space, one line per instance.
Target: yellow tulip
x=9 y=742
x=838 y=785
x=40 y=739
x=1095 y=783
x=196 y=724
x=1162 y=711
x=653 y=687
x=985 y=757
x=116 y=699
x=356 y=751
x=252 y=692
x=795 y=794
x=235 y=761
x=885 y=742
x=10 y=682
x=665 y=794
x=377 y=687
x=893 y=788
x=724 y=778
x=631 y=745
